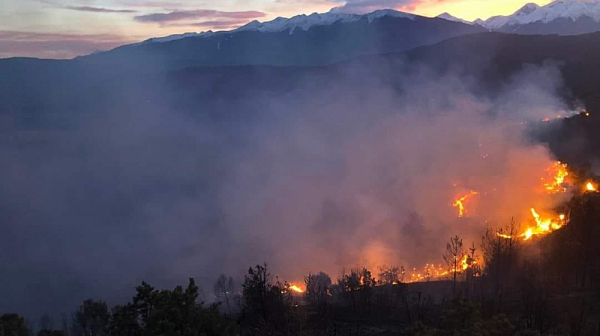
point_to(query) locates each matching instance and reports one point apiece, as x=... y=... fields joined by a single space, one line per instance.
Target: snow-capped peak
x=528 y=8
x=178 y=37
x=531 y=13
x=495 y=22
x=305 y=22
x=447 y=16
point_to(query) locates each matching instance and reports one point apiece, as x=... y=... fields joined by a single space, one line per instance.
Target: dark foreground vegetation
x=549 y=286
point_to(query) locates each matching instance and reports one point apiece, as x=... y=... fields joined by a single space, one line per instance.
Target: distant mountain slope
x=43 y=93
x=490 y=58
x=565 y=17
x=308 y=40
x=494 y=57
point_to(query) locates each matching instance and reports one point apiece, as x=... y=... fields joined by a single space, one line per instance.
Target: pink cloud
x=59 y=46
x=99 y=9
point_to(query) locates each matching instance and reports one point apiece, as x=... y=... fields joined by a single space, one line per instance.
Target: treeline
x=549 y=286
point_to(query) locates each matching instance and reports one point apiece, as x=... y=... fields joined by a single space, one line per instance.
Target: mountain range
x=320 y=39
x=564 y=17
x=316 y=39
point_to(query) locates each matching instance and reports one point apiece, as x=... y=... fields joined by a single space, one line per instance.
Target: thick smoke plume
x=332 y=187
x=355 y=171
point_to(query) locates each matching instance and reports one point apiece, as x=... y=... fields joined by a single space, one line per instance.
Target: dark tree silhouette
x=13 y=325
x=46 y=322
x=48 y=332
x=223 y=290
x=168 y=312
x=452 y=257
x=90 y=319
x=318 y=291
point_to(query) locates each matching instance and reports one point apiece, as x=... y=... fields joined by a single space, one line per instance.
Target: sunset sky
x=67 y=28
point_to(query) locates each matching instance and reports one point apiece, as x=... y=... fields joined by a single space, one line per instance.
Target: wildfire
x=296 y=289
x=429 y=272
x=433 y=272
x=460 y=203
x=590 y=187
x=543 y=226
x=559 y=173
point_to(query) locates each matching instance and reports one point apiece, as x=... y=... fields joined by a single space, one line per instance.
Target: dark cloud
x=99 y=9
x=198 y=14
x=49 y=45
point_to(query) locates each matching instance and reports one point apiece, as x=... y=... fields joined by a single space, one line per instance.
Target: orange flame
x=559 y=174
x=543 y=226
x=590 y=186
x=296 y=289
x=432 y=272
x=460 y=203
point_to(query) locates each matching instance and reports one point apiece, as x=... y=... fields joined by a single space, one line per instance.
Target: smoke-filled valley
x=113 y=177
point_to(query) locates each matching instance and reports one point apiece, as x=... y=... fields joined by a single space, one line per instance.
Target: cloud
x=55 y=45
x=367 y=6
x=198 y=14
x=99 y=9
x=146 y=4
x=214 y=24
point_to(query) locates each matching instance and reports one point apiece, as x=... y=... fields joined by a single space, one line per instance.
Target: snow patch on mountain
x=531 y=13
x=495 y=22
x=447 y=16
x=305 y=22
x=178 y=37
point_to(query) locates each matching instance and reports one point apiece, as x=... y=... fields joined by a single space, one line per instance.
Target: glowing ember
x=432 y=272
x=460 y=203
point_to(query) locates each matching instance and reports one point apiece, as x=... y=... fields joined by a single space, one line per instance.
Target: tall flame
x=543 y=226
x=553 y=184
x=460 y=203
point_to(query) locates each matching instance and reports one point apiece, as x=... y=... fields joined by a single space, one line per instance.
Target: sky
x=68 y=28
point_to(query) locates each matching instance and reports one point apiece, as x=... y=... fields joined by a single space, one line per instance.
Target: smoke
x=371 y=181
x=354 y=169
